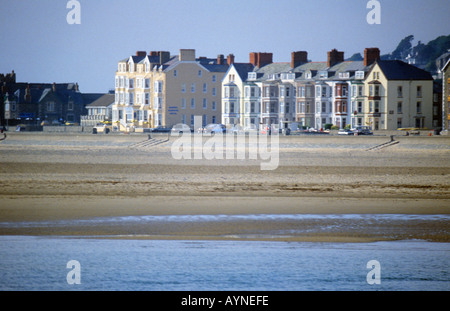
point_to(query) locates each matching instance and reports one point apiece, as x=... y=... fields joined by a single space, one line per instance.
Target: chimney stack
x=230 y=59
x=259 y=59
x=141 y=53
x=371 y=55
x=220 y=59
x=335 y=57
x=28 y=94
x=54 y=87
x=298 y=58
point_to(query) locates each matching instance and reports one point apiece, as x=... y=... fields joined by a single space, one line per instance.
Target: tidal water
x=40 y=263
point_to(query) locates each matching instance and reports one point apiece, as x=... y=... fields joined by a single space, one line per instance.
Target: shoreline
x=53 y=179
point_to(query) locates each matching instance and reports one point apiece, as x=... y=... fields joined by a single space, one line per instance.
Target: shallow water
x=39 y=263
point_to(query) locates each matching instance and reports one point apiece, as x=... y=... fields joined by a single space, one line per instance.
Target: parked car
x=346 y=132
x=161 y=129
x=362 y=130
x=101 y=128
x=215 y=128
x=181 y=128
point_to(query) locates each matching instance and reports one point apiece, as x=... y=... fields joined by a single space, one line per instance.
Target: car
x=215 y=128
x=101 y=128
x=161 y=129
x=362 y=130
x=181 y=128
x=346 y=132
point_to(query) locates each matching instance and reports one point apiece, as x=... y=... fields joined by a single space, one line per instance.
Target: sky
x=40 y=45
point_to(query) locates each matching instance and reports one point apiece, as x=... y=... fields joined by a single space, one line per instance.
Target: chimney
x=187 y=55
x=230 y=59
x=259 y=59
x=141 y=53
x=54 y=87
x=164 y=57
x=335 y=57
x=28 y=94
x=220 y=59
x=77 y=89
x=371 y=55
x=298 y=58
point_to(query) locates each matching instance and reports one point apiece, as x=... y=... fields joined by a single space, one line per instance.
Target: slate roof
x=398 y=70
x=103 y=101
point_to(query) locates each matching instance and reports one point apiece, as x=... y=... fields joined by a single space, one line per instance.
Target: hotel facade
x=384 y=95
x=159 y=90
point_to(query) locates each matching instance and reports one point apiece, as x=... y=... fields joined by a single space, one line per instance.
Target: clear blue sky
x=40 y=46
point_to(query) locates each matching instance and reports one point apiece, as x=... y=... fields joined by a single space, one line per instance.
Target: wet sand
x=49 y=178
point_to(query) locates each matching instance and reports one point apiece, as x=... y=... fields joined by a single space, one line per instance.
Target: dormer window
x=323 y=75
x=252 y=75
x=309 y=75
x=359 y=75
x=344 y=75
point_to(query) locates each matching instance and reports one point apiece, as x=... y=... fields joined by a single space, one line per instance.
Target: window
x=69 y=106
x=324 y=91
x=377 y=107
x=247 y=91
x=360 y=105
x=317 y=90
x=419 y=91
x=231 y=91
x=308 y=107
x=399 y=123
x=399 y=91
x=287 y=108
x=399 y=107
x=371 y=107
x=214 y=79
x=192 y=103
x=193 y=88
x=419 y=107
x=377 y=90
x=252 y=75
x=199 y=73
x=272 y=107
x=204 y=120
x=183 y=103
x=232 y=107
x=213 y=104
x=247 y=107
x=192 y=120
x=147 y=83
x=213 y=91
x=205 y=103
x=205 y=88
x=324 y=107
x=213 y=119
x=252 y=92
x=50 y=106
x=359 y=75
x=183 y=88
x=175 y=73
x=360 y=90
x=131 y=84
x=252 y=108
x=147 y=99
x=158 y=86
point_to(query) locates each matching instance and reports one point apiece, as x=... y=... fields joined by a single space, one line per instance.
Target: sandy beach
x=51 y=183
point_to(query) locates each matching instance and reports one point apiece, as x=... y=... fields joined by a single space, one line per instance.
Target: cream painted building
x=446 y=98
x=163 y=90
x=398 y=95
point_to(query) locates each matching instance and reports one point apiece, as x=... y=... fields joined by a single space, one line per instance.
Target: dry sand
x=49 y=178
